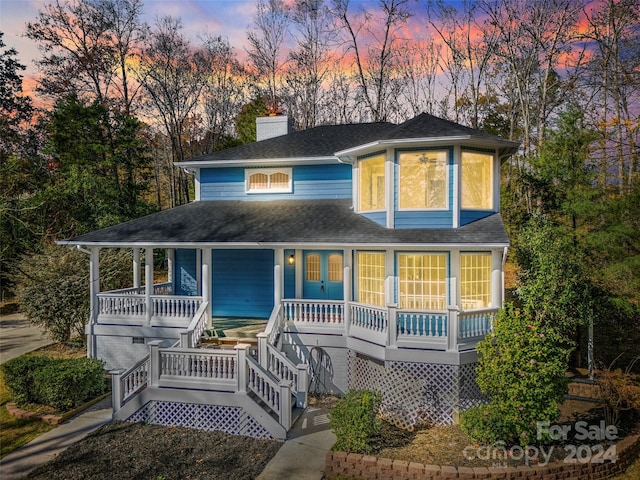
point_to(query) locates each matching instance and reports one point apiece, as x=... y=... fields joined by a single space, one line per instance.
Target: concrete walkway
x=18 y=336
x=48 y=445
x=302 y=455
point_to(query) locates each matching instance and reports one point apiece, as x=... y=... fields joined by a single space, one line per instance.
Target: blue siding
x=309 y=182
x=468 y=216
x=439 y=219
x=289 y=276
x=378 y=217
x=242 y=283
x=185 y=279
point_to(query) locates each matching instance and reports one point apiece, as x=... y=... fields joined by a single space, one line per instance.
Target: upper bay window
x=477 y=180
x=268 y=180
x=372 y=183
x=422 y=181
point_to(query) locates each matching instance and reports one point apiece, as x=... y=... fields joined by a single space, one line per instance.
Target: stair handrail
x=275 y=325
x=275 y=394
x=190 y=338
x=126 y=383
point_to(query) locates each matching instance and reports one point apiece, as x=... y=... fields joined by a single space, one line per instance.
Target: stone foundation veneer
x=356 y=465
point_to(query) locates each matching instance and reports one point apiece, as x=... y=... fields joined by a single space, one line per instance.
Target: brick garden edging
x=377 y=468
x=17 y=412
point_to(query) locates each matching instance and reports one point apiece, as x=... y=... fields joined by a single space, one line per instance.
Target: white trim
x=389 y=172
x=457 y=160
x=306 y=246
x=404 y=142
x=259 y=162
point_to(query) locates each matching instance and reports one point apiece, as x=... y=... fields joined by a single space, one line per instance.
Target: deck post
x=301 y=387
x=241 y=359
x=148 y=282
x=136 y=267
x=116 y=389
x=154 y=363
x=452 y=330
x=392 y=326
x=263 y=354
x=285 y=404
x=94 y=289
x=496 y=278
x=346 y=283
x=206 y=282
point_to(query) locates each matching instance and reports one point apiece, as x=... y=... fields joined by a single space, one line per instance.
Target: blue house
x=336 y=258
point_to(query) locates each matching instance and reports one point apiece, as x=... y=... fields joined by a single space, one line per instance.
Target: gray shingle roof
x=285 y=221
x=325 y=141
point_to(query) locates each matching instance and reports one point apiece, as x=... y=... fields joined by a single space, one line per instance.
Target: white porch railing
x=475 y=324
x=418 y=324
x=316 y=312
x=133 y=306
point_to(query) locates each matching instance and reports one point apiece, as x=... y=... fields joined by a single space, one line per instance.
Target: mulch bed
x=141 y=451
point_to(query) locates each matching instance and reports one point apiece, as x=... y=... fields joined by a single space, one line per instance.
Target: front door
x=323 y=275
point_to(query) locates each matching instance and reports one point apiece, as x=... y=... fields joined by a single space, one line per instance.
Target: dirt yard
x=150 y=452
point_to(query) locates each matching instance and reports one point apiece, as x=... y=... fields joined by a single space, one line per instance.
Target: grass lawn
x=16 y=432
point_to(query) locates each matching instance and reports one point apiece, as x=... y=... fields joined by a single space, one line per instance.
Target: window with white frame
x=371 y=278
x=268 y=180
x=475 y=280
x=422 y=183
x=422 y=281
x=477 y=180
x=372 y=183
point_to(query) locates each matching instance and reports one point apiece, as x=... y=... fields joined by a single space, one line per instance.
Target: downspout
x=504 y=261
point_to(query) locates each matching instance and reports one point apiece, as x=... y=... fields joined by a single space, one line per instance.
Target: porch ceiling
x=262 y=223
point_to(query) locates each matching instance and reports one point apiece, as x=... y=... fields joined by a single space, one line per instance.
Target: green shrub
x=522 y=369
x=355 y=421
x=18 y=376
x=68 y=383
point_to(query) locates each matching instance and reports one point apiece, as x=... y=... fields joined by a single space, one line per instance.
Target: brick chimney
x=272 y=126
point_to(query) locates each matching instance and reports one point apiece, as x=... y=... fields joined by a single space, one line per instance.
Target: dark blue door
x=323 y=275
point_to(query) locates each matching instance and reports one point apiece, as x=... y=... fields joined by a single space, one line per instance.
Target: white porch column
x=496 y=279
x=346 y=285
x=94 y=290
x=171 y=257
x=299 y=271
x=390 y=279
x=136 y=267
x=278 y=275
x=148 y=282
x=206 y=281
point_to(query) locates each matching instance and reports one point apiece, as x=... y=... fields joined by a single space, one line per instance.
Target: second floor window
x=477 y=180
x=268 y=180
x=422 y=183
x=371 y=185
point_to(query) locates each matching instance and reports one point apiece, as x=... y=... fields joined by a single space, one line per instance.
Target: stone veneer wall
x=378 y=468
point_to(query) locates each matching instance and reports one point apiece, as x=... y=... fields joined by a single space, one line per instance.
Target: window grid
x=371 y=278
x=422 y=279
x=335 y=267
x=313 y=267
x=475 y=280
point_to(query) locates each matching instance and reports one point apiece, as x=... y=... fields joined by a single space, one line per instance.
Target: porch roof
x=284 y=222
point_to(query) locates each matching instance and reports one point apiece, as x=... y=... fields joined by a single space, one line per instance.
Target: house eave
x=278 y=245
x=258 y=162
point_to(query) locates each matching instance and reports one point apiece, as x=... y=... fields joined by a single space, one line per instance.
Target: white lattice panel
x=233 y=420
x=415 y=392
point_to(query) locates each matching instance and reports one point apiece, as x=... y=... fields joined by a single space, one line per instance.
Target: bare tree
x=470 y=50
x=224 y=92
x=419 y=67
x=374 y=39
x=173 y=78
x=612 y=74
x=271 y=22
x=532 y=40
x=77 y=56
x=310 y=61
x=86 y=46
